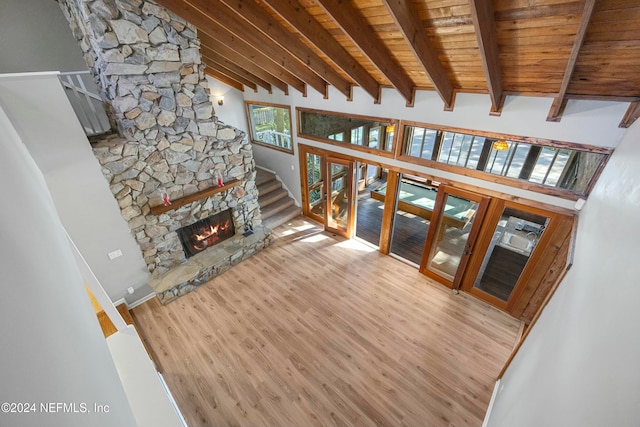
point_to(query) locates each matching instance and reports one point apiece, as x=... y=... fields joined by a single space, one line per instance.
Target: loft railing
x=87 y=105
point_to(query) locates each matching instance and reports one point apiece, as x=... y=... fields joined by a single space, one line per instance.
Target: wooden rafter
x=298 y=17
x=224 y=79
x=356 y=27
x=417 y=38
x=222 y=51
x=212 y=58
x=271 y=28
x=227 y=72
x=197 y=10
x=215 y=35
x=632 y=114
x=560 y=101
x=482 y=14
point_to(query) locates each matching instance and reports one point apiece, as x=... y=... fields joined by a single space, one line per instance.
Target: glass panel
x=339 y=184
x=514 y=239
x=370 y=203
x=555 y=167
x=452 y=235
x=314 y=184
x=415 y=205
x=270 y=125
x=347 y=129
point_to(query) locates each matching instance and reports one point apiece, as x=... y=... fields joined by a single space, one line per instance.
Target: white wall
x=232 y=112
x=579 y=365
x=42 y=116
x=35 y=36
x=52 y=347
x=585 y=122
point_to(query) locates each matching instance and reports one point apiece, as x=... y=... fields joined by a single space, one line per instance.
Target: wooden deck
x=319 y=330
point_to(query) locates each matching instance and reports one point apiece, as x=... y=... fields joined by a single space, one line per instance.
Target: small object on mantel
x=219 y=179
x=203 y=194
x=165 y=199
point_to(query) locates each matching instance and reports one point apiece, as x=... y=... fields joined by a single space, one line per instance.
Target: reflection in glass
x=513 y=242
x=314 y=184
x=339 y=213
x=452 y=235
x=363 y=132
x=550 y=166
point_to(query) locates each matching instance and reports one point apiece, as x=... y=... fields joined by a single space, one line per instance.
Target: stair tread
x=263 y=176
x=266 y=199
x=268 y=187
x=282 y=217
x=274 y=208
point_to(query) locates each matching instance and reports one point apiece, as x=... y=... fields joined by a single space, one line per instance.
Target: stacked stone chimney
x=147 y=63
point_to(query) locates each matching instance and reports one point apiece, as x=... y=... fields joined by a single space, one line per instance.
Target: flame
x=208 y=236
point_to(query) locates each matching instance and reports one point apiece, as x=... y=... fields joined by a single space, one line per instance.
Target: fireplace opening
x=207 y=232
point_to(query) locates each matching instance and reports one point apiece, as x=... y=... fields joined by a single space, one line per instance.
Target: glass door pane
x=514 y=239
x=315 y=184
x=451 y=241
x=370 y=203
x=338 y=211
x=414 y=208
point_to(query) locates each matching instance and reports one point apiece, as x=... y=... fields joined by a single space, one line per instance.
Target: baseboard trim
x=141 y=300
x=494 y=395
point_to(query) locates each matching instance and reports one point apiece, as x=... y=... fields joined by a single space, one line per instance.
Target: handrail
x=87 y=105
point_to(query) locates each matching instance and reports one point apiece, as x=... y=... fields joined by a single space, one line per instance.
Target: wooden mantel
x=202 y=194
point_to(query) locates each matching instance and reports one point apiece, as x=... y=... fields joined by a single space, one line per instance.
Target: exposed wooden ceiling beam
x=298 y=17
x=260 y=19
x=356 y=27
x=216 y=35
x=482 y=14
x=417 y=38
x=560 y=101
x=231 y=66
x=227 y=72
x=205 y=14
x=632 y=114
x=229 y=54
x=224 y=79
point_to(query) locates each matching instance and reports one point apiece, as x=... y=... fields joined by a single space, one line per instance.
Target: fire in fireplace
x=206 y=232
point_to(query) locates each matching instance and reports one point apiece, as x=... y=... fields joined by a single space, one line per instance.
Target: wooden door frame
x=484 y=240
x=476 y=227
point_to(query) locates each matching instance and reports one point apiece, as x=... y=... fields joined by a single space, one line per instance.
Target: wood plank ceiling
x=584 y=49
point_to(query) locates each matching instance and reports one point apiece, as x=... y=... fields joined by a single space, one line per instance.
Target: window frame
x=252 y=130
x=364 y=148
x=401 y=147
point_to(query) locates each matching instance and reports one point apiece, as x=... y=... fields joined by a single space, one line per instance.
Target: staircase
x=276 y=205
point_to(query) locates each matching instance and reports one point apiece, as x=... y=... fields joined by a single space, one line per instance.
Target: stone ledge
x=208 y=264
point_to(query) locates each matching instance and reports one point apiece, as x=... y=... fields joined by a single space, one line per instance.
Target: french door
x=455 y=225
x=339 y=196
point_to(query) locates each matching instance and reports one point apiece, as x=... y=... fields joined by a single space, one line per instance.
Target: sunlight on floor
x=355 y=245
x=315 y=238
x=298 y=229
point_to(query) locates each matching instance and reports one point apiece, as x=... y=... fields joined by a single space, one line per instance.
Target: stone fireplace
x=164 y=164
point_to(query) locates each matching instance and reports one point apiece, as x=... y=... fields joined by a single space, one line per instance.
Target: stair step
x=263 y=176
x=282 y=217
x=268 y=187
x=267 y=199
x=274 y=208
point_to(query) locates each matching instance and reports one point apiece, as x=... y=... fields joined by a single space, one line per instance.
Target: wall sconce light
x=220 y=100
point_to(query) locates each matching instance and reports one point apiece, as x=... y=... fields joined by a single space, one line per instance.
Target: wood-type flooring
x=317 y=330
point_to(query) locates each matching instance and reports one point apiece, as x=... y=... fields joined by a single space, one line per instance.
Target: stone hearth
x=147 y=63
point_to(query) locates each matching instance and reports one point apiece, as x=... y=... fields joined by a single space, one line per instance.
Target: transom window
x=548 y=165
x=362 y=133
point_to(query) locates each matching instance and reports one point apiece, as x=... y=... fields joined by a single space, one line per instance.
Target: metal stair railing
x=87 y=105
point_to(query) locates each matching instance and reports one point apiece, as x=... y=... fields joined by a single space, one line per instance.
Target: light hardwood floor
x=321 y=331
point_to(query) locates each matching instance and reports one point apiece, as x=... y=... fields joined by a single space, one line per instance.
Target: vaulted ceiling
x=583 y=49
